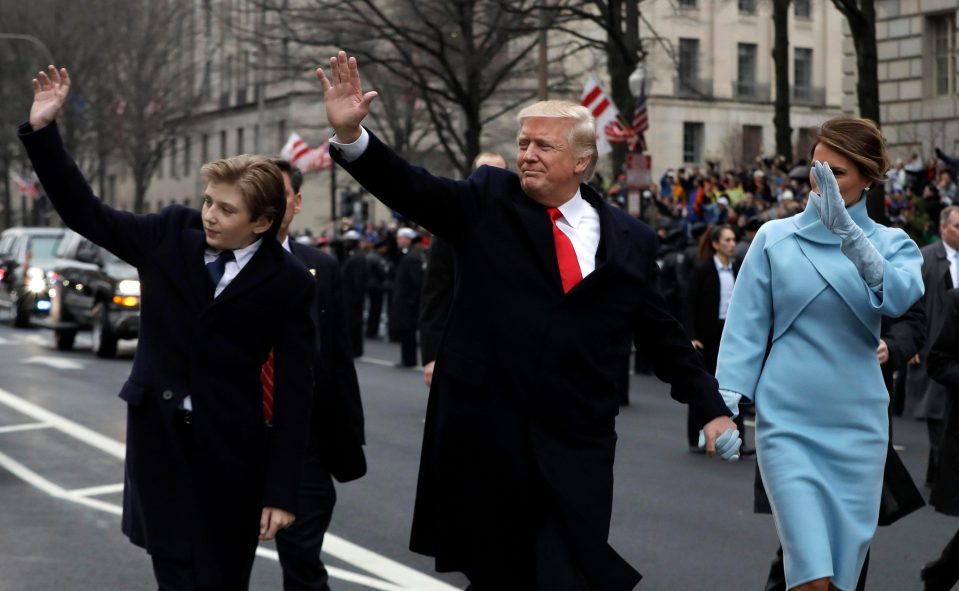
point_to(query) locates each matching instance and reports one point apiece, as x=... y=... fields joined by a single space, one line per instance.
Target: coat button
x=167 y=394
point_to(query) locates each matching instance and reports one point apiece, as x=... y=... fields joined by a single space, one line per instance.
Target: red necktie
x=266 y=377
x=569 y=270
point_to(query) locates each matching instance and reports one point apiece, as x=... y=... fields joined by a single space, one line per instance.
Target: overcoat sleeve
x=127 y=235
x=748 y=322
x=901 y=276
x=445 y=207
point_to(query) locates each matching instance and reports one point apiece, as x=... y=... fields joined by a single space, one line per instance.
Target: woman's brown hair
x=858 y=139
x=712 y=234
x=258 y=179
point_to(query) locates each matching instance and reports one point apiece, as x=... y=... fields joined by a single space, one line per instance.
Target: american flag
x=27 y=186
x=616 y=133
x=304 y=157
x=637 y=143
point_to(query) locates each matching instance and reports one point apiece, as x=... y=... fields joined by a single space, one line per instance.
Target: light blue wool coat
x=821 y=418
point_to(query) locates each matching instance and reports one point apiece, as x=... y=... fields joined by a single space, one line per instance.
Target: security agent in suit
x=438 y=286
x=407 y=288
x=335 y=448
x=204 y=476
x=515 y=485
x=939 y=275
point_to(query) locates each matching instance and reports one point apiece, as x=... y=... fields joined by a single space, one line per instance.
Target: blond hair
x=259 y=181
x=582 y=134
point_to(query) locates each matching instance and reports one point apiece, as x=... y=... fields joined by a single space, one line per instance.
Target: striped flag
x=617 y=134
x=637 y=143
x=26 y=186
x=603 y=110
x=304 y=157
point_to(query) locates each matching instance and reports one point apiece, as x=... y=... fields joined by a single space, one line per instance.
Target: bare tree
x=458 y=65
x=615 y=32
x=154 y=88
x=784 y=146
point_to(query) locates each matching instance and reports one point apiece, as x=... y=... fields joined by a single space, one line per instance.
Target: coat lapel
x=821 y=248
x=538 y=230
x=194 y=245
x=613 y=246
x=260 y=268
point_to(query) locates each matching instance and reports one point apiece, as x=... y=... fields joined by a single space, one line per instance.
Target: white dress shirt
x=580 y=221
x=241 y=257
x=951 y=257
x=726 y=282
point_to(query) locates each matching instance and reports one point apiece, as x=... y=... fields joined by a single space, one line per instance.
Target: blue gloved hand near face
x=831 y=207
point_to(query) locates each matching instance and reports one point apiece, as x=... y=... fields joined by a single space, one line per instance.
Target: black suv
x=94 y=290
x=26 y=258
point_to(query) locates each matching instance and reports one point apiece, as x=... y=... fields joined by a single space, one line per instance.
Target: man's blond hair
x=582 y=134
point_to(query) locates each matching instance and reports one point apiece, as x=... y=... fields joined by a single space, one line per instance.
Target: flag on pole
x=304 y=157
x=26 y=186
x=637 y=143
x=603 y=110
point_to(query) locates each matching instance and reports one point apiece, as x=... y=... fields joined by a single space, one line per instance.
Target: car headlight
x=129 y=287
x=36 y=280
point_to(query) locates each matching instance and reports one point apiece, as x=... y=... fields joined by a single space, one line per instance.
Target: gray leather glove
x=854 y=243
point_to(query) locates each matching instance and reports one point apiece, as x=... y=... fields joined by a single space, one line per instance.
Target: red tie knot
x=554 y=213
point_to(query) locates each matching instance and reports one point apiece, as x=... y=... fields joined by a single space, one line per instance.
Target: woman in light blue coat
x=817 y=285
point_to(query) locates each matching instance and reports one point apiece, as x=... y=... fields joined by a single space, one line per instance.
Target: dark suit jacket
x=944 y=368
x=337 y=408
x=938 y=281
x=207 y=509
x=407 y=288
x=522 y=409
x=436 y=298
x=702 y=302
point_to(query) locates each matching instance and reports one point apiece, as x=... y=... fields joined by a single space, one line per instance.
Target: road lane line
x=385 y=363
x=23 y=427
x=92 y=491
x=407 y=578
x=54 y=362
x=75 y=430
x=339 y=573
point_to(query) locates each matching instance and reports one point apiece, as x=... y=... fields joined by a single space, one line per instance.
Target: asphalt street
x=684 y=520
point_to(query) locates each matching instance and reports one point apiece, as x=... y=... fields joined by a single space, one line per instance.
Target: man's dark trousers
x=299 y=545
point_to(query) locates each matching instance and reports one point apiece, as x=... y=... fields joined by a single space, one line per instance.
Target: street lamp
x=637 y=79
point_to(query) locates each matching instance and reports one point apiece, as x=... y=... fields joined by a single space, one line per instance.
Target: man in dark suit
x=407 y=288
x=515 y=484
x=336 y=431
x=938 y=276
x=204 y=476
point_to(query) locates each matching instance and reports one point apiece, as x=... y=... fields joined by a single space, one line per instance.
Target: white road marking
x=54 y=362
x=4 y=341
x=23 y=427
x=35 y=339
x=385 y=363
x=75 y=430
x=400 y=576
x=92 y=491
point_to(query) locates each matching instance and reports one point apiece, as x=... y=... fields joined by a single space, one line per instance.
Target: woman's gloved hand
x=831 y=207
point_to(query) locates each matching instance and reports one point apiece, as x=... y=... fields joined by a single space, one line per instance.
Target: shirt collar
x=286 y=243
x=240 y=255
x=574 y=209
x=950 y=252
x=720 y=266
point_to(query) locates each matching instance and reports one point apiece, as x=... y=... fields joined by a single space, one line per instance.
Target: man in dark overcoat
x=204 y=476
x=515 y=485
x=939 y=275
x=335 y=448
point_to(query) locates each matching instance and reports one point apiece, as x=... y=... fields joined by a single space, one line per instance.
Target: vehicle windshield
x=44 y=247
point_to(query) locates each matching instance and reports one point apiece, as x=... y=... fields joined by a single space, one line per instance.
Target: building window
x=223 y=151
x=692 y=142
x=205 y=148
x=239 y=141
x=802 y=68
x=805 y=142
x=281 y=131
x=173 y=169
x=688 y=59
x=942 y=43
x=746 y=70
x=803 y=8
x=747 y=6
x=752 y=142
x=187 y=156
x=687 y=3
